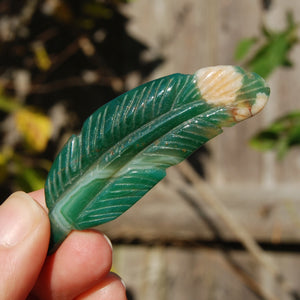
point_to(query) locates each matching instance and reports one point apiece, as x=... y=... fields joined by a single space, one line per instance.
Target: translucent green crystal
x=126 y=145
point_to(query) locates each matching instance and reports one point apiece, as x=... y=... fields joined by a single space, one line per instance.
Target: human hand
x=79 y=269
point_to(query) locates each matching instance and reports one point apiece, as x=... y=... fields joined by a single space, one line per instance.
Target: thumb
x=24 y=238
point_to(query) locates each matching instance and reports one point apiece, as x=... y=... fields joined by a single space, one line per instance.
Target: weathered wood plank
x=269 y=215
x=193 y=34
x=184 y=33
x=186 y=274
x=285 y=86
x=231 y=159
x=261 y=193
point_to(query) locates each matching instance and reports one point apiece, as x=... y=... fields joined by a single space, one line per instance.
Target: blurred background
x=229 y=227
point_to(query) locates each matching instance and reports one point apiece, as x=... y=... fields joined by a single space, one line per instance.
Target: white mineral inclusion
x=220 y=85
x=260 y=102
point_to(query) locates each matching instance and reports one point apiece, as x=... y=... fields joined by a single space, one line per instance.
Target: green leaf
x=243 y=48
x=35 y=127
x=8 y=104
x=263 y=141
x=30 y=179
x=97 y=10
x=126 y=145
x=272 y=55
x=273 y=52
x=280 y=136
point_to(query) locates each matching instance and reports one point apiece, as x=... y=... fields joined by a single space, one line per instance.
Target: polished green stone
x=126 y=145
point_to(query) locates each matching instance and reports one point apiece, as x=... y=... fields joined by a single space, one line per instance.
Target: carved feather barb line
x=126 y=145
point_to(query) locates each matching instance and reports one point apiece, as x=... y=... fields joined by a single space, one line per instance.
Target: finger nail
x=123 y=282
x=20 y=215
x=108 y=240
x=120 y=278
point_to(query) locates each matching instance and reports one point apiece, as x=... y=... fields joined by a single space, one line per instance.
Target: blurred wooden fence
x=166 y=246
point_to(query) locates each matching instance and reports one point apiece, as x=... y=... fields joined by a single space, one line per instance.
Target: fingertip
x=111 y=287
x=87 y=244
x=118 y=278
x=24 y=238
x=82 y=260
x=20 y=218
x=39 y=196
x=107 y=239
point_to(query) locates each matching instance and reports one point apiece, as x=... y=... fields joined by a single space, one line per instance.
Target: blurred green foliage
x=244 y=47
x=271 y=51
x=19 y=168
x=280 y=136
x=76 y=55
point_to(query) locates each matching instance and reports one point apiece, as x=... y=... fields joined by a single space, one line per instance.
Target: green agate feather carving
x=125 y=146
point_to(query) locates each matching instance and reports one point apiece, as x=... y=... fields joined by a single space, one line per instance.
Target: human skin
x=79 y=269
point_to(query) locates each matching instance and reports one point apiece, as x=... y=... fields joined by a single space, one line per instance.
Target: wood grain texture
x=260 y=192
x=179 y=214
x=206 y=33
x=186 y=274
